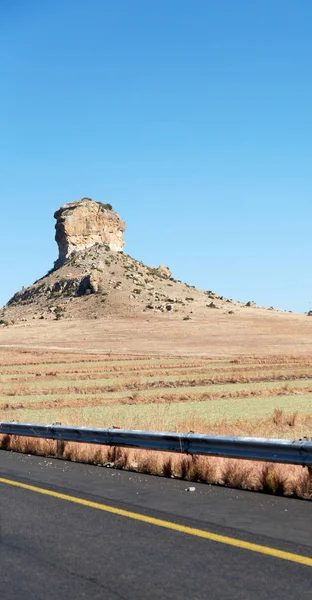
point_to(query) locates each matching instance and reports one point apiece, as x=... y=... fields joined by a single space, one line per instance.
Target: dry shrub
x=278 y=416
x=122 y=459
x=85 y=453
x=118 y=456
x=210 y=469
x=198 y=468
x=185 y=467
x=147 y=462
x=292 y=419
x=236 y=475
x=168 y=467
x=28 y=445
x=5 y=442
x=197 y=472
x=272 y=480
x=301 y=486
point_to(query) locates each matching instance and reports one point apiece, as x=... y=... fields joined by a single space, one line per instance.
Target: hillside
x=98 y=298
x=99 y=282
x=94 y=278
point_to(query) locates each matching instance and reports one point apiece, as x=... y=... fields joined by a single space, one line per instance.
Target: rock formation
x=99 y=280
x=164 y=271
x=84 y=223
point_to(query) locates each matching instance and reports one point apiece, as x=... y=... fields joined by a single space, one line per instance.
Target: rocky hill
x=94 y=278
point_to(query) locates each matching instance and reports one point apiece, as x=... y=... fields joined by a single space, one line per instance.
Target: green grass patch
x=83 y=385
x=169 y=416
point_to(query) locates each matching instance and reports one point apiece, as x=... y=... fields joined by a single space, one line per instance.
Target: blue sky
x=192 y=118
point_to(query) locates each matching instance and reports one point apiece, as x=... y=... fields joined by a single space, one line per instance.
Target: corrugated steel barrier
x=270 y=450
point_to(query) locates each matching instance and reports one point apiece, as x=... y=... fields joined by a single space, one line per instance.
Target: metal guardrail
x=270 y=450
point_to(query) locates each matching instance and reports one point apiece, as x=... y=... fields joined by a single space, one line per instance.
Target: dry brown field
x=254 y=331
x=114 y=378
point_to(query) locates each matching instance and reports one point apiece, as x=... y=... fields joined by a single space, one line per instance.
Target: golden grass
x=289 y=480
x=171 y=366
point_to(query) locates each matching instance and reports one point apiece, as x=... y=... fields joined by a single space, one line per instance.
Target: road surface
x=70 y=531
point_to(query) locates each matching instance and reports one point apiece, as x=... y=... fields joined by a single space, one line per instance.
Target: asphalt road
x=52 y=547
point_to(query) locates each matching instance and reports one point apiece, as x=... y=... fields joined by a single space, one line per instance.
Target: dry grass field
x=249 y=331
x=260 y=396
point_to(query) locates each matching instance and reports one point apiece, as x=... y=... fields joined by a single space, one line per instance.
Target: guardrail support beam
x=267 y=450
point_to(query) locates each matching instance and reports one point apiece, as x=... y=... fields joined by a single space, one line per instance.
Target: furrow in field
x=157 y=395
x=148 y=385
x=175 y=374
x=109 y=365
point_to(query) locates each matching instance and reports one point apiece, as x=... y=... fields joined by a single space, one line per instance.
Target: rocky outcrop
x=164 y=271
x=93 y=283
x=84 y=223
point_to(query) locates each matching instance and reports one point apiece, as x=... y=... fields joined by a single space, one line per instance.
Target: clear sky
x=192 y=118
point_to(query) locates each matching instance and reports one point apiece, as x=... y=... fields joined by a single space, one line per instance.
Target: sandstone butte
x=81 y=224
x=91 y=261
x=93 y=278
x=137 y=307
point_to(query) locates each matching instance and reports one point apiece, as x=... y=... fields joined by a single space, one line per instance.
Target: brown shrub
x=235 y=475
x=291 y=420
x=272 y=481
x=278 y=416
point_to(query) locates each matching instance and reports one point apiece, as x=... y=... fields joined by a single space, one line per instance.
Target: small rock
x=190 y=489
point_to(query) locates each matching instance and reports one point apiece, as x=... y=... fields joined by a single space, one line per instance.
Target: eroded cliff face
x=84 y=223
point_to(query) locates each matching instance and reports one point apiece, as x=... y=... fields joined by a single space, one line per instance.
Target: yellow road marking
x=214 y=537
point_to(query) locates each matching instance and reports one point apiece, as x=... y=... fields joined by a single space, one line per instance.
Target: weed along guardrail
x=269 y=450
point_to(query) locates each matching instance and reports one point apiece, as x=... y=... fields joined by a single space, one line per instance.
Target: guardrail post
x=60 y=446
x=112 y=455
